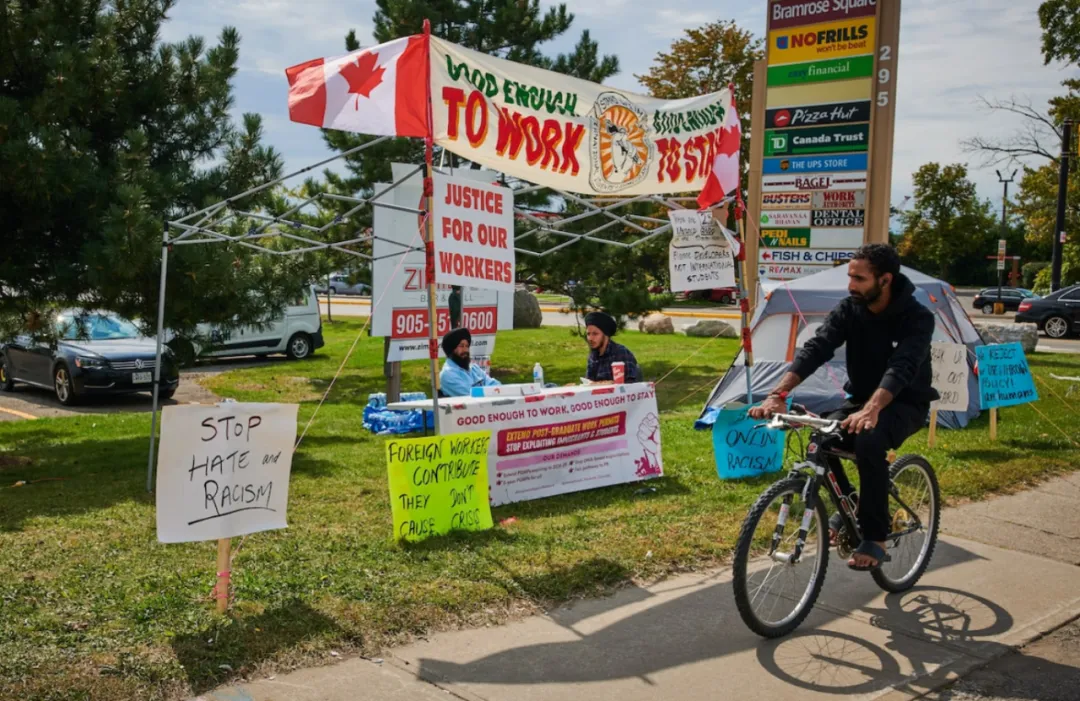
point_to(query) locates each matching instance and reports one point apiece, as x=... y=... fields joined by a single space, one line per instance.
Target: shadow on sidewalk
x=704 y=624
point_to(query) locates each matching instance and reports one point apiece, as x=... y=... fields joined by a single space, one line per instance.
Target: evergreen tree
x=105 y=133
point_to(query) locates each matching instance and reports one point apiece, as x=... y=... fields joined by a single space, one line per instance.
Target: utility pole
x=1004 y=229
x=1063 y=188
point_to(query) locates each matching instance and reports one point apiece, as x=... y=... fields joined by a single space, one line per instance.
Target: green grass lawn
x=93 y=607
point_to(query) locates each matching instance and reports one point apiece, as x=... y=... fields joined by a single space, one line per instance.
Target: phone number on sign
x=413 y=323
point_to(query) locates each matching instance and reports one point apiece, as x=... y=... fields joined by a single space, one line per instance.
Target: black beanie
x=604 y=322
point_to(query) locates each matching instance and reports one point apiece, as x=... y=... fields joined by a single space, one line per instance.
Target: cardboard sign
x=223 y=470
x=1004 y=376
x=474 y=233
x=438 y=485
x=743 y=447
x=699 y=257
x=950 y=366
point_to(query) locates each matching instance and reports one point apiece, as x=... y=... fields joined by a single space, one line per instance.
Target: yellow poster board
x=822 y=41
x=439 y=484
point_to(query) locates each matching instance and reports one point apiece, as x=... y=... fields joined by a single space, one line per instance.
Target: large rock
x=1026 y=335
x=712 y=328
x=656 y=323
x=527 y=314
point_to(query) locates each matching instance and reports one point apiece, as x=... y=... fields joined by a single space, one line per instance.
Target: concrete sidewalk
x=1004 y=573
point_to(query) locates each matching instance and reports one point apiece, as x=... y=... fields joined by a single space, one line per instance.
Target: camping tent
x=789 y=313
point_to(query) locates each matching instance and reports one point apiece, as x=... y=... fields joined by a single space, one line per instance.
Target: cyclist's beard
x=463 y=360
x=871 y=296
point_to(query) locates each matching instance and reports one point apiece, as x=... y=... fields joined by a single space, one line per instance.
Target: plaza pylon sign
x=535 y=125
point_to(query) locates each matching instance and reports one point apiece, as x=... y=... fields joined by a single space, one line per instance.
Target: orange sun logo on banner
x=621 y=149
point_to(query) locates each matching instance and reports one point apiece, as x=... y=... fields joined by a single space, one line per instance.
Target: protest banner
x=562 y=132
x=742 y=447
x=564 y=441
x=439 y=484
x=400 y=309
x=474 y=233
x=950 y=379
x=223 y=471
x=699 y=256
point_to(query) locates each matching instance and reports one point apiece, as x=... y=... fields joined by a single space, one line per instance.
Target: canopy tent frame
x=205 y=227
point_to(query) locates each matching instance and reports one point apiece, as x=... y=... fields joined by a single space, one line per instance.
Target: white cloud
x=951 y=51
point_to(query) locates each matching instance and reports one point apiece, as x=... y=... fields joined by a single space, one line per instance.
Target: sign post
x=999 y=305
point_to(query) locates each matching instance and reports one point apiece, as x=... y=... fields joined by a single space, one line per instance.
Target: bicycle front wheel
x=916 y=514
x=773 y=592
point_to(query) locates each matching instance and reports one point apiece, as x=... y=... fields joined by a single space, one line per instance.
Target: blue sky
x=951 y=52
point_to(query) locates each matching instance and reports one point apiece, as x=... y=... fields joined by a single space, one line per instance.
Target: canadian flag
x=724 y=176
x=380 y=91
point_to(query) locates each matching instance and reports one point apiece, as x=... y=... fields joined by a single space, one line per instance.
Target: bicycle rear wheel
x=917 y=485
x=773 y=594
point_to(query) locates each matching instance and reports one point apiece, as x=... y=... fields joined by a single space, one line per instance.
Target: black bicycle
x=782 y=551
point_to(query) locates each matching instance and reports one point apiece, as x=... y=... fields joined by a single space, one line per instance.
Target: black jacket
x=889 y=350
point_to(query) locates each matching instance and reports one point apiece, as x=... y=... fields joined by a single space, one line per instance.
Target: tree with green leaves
x=948 y=231
x=105 y=133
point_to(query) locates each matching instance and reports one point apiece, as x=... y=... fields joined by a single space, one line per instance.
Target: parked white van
x=297 y=333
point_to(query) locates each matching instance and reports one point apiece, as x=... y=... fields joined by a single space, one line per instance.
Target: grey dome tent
x=789 y=313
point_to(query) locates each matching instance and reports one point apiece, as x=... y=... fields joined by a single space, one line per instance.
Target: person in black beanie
x=599 y=328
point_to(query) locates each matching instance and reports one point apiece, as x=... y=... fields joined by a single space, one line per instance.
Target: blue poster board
x=1004 y=376
x=744 y=448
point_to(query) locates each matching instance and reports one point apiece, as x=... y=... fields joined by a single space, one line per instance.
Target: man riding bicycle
x=889 y=390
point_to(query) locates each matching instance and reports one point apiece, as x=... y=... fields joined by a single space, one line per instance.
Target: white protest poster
x=474 y=233
x=564 y=440
x=400 y=296
x=950 y=366
x=223 y=470
x=699 y=257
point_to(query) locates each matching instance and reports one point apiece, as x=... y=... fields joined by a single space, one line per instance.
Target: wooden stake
x=224 y=546
x=933 y=428
x=993 y=424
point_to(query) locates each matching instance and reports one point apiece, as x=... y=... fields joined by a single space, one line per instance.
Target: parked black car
x=97 y=353
x=1011 y=297
x=1057 y=314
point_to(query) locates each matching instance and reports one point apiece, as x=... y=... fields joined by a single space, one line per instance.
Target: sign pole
x=933 y=428
x=744 y=313
x=221 y=591
x=753 y=180
x=882 y=123
x=993 y=424
x=429 y=239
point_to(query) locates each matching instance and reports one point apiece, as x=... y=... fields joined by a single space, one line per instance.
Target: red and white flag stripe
x=381 y=90
x=724 y=176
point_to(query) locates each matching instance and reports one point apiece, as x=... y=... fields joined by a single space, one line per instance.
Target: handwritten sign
x=1004 y=376
x=223 y=470
x=439 y=484
x=743 y=447
x=949 y=361
x=474 y=234
x=699 y=257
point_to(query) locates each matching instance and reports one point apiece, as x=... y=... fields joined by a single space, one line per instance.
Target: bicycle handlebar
x=780 y=421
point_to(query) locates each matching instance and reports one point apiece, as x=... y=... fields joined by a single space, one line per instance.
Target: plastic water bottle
x=538 y=374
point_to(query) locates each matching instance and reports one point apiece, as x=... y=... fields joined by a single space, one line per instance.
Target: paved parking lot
x=30 y=402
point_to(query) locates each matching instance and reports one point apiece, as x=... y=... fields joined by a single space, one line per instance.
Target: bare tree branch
x=1038 y=130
